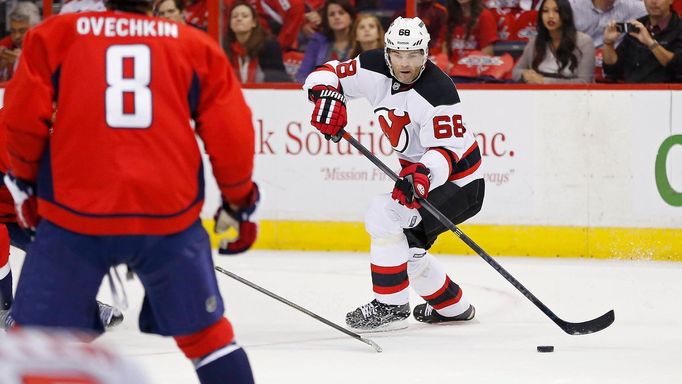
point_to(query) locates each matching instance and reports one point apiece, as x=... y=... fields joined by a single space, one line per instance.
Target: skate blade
x=392 y=326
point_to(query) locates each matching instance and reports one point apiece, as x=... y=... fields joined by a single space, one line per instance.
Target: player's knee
x=209 y=339
x=385 y=218
x=377 y=222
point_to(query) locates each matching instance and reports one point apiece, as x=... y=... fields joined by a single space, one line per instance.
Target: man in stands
x=592 y=16
x=24 y=16
x=651 y=51
x=118 y=178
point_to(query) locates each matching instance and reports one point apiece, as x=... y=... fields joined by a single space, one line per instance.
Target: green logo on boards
x=669 y=195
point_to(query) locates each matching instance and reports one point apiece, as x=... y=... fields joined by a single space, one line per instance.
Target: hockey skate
x=6 y=319
x=378 y=317
x=426 y=314
x=108 y=315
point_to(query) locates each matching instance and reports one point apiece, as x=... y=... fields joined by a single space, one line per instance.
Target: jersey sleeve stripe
x=324 y=67
x=469 y=163
x=449 y=156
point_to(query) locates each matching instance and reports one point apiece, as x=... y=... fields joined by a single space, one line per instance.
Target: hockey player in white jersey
x=419 y=111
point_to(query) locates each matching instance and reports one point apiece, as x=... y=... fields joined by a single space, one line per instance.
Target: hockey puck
x=545 y=348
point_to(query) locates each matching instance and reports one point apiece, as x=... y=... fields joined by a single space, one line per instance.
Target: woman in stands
x=333 y=42
x=255 y=57
x=367 y=33
x=470 y=27
x=559 y=53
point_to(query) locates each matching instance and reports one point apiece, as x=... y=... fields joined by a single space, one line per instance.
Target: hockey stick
x=296 y=306
x=583 y=328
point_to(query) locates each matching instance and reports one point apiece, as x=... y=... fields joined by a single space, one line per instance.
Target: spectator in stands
x=333 y=41
x=311 y=24
x=255 y=57
x=24 y=16
x=470 y=27
x=75 y=6
x=196 y=14
x=650 y=54
x=677 y=7
x=367 y=33
x=592 y=16
x=507 y=14
x=559 y=53
x=170 y=9
x=435 y=17
x=284 y=19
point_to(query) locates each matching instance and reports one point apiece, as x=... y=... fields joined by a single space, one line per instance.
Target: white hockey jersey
x=423 y=121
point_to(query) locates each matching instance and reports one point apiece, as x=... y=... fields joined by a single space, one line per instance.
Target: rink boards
x=595 y=173
x=588 y=172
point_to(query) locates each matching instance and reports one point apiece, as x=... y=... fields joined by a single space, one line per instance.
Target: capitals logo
x=394 y=122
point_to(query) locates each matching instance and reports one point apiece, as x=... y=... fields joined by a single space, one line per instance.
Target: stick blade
x=590 y=326
x=372 y=344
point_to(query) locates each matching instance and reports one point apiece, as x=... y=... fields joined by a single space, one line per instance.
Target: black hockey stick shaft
x=583 y=328
x=296 y=306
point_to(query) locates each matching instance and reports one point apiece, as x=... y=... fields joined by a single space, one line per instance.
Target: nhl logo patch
x=211 y=304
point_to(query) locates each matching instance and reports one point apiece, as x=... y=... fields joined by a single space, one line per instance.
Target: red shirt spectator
x=435 y=17
x=196 y=14
x=282 y=18
x=272 y=15
x=677 y=7
x=469 y=35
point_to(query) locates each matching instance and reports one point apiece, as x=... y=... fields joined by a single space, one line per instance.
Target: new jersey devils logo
x=394 y=127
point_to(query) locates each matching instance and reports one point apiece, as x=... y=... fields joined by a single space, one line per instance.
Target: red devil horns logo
x=393 y=126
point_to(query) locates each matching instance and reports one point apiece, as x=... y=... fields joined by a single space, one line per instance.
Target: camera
x=626 y=28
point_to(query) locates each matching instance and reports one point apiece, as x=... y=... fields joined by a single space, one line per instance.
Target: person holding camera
x=651 y=51
x=593 y=16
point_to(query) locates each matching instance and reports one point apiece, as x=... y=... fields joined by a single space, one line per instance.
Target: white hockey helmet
x=407 y=34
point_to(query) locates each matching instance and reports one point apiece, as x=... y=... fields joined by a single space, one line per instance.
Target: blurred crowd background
x=527 y=41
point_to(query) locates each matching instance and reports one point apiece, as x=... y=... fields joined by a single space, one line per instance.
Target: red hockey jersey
x=122 y=156
x=7 y=213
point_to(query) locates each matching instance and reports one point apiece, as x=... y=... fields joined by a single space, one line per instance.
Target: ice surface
x=644 y=345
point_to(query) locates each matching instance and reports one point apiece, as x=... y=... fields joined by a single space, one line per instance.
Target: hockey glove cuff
x=329 y=115
x=25 y=201
x=242 y=220
x=413 y=184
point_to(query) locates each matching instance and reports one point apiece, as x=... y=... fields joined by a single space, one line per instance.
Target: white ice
x=644 y=345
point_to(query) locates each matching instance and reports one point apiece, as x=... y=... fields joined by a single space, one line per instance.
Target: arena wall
x=573 y=171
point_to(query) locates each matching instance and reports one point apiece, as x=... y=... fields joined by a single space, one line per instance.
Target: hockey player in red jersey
x=118 y=178
x=12 y=233
x=419 y=111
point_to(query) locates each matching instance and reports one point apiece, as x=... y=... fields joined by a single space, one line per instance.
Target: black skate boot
x=109 y=315
x=425 y=314
x=6 y=319
x=378 y=317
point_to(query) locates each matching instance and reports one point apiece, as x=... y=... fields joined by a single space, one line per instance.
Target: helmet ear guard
x=407 y=34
